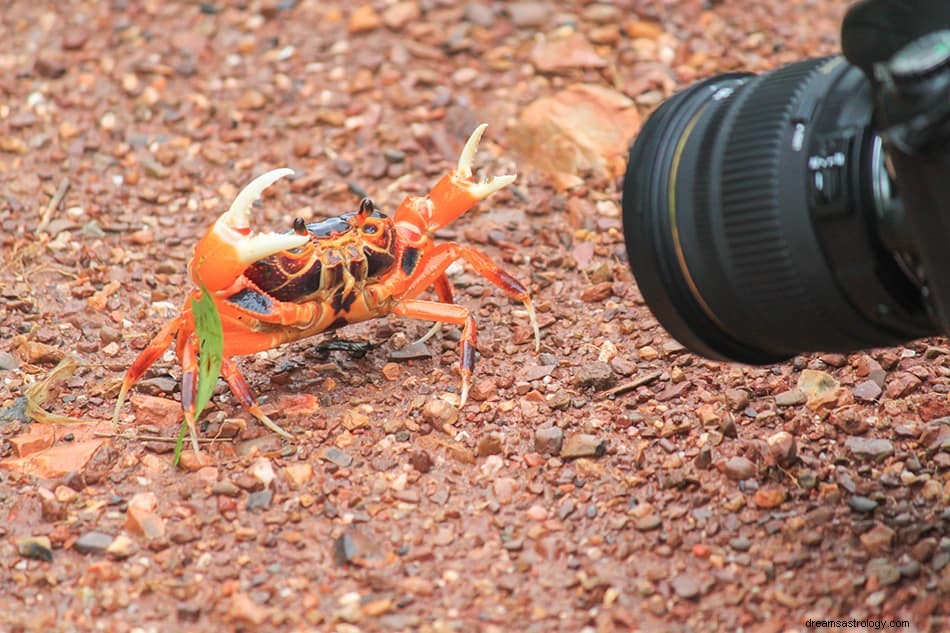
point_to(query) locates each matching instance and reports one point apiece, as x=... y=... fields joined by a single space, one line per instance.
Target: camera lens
x=761 y=219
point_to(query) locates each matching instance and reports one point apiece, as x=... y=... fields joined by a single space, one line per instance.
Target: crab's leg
x=146 y=359
x=443 y=289
x=188 y=355
x=232 y=375
x=454 y=194
x=442 y=256
x=447 y=313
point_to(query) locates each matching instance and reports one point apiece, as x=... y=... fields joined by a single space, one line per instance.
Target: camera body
x=807 y=208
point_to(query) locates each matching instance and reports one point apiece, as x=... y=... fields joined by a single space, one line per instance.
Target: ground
x=610 y=482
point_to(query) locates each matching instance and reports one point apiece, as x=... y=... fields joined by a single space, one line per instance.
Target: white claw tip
x=238 y=216
x=468 y=152
x=484 y=189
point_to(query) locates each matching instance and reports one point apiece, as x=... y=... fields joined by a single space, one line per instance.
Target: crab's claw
x=228 y=247
x=457 y=192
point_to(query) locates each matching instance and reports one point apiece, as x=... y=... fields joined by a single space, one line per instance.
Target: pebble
x=815 y=384
x=597 y=375
x=878 y=539
x=738 y=468
x=480 y=13
x=363 y=19
x=439 y=414
x=528 y=14
x=93 y=543
x=225 y=487
x=263 y=470
x=737 y=399
x=259 y=500
x=647 y=523
x=790 y=398
x=869 y=448
x=583 y=445
x=740 y=544
x=122 y=547
x=36 y=548
x=400 y=14
x=489 y=445
x=886 y=572
x=357 y=547
x=867 y=390
x=336 y=456
x=783 y=448
x=421 y=461
x=862 y=504
x=686 y=586
x=298 y=474
x=8 y=361
x=548 y=440
x=768 y=498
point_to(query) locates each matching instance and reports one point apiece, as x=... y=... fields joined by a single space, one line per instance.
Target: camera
x=807 y=208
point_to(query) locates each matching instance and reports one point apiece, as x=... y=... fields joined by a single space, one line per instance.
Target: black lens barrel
x=747 y=219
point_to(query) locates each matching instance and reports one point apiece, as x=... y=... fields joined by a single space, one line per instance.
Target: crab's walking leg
x=146 y=359
x=188 y=356
x=232 y=375
x=443 y=289
x=447 y=313
x=442 y=256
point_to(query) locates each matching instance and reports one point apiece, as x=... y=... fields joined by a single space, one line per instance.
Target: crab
x=275 y=288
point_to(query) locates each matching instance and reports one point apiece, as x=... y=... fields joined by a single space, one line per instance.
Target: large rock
x=584 y=129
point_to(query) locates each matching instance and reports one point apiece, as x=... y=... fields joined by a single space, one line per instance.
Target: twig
x=54 y=203
x=160 y=438
x=646 y=379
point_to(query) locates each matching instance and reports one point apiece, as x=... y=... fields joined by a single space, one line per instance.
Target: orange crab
x=275 y=288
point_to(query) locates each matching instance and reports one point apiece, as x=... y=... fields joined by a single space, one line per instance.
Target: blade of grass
x=210 y=355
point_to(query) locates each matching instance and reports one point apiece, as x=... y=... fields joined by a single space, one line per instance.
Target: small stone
x=440 y=414
x=816 y=384
x=36 y=548
x=528 y=14
x=783 y=448
x=867 y=390
x=400 y=14
x=259 y=500
x=647 y=523
x=122 y=547
x=583 y=445
x=93 y=543
x=738 y=468
x=489 y=445
x=252 y=100
x=421 y=461
x=160 y=412
x=225 y=487
x=144 y=522
x=548 y=440
x=8 y=361
x=298 y=474
x=336 y=456
x=869 y=448
x=536 y=513
x=504 y=489
x=359 y=548
x=263 y=470
x=480 y=13
x=862 y=504
x=49 y=67
x=737 y=399
x=364 y=19
x=878 y=539
x=790 y=398
x=244 y=611
x=740 y=544
x=886 y=572
x=483 y=389
x=768 y=498
x=686 y=586
x=597 y=375
x=597 y=292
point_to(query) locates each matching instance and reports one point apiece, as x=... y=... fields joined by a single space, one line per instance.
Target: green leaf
x=210 y=347
x=210 y=355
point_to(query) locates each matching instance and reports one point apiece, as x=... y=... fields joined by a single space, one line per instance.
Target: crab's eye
x=300 y=227
x=370 y=229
